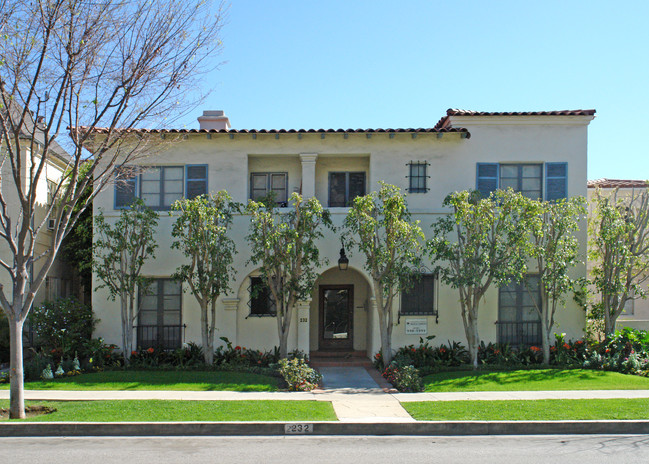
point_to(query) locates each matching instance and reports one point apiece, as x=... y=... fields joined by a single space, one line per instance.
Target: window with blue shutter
x=556 y=181
x=195 y=180
x=487 y=178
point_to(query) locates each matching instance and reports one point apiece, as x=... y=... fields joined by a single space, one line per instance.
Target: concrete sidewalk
x=373 y=406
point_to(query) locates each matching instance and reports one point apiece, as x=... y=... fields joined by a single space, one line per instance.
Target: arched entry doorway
x=339 y=311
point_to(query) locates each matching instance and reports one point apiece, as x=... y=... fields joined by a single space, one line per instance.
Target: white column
x=303 y=309
x=308 y=174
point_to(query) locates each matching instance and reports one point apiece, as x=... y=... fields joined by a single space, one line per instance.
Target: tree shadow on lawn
x=467 y=379
x=161 y=380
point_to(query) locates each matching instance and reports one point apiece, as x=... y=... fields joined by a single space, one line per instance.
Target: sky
x=378 y=64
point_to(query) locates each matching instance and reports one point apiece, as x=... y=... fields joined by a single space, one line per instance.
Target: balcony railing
x=166 y=337
x=519 y=334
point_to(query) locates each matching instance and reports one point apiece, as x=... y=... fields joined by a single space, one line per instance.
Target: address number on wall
x=304 y=319
x=291 y=429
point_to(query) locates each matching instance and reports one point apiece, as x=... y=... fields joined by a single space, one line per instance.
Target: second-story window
x=159 y=186
x=263 y=183
x=344 y=187
x=528 y=179
x=418 y=176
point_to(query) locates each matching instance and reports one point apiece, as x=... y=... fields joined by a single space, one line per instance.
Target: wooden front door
x=336 y=317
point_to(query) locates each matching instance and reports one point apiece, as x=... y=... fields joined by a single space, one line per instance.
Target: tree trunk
x=17 y=379
x=127 y=337
x=208 y=345
x=545 y=337
x=205 y=332
x=472 y=333
x=283 y=343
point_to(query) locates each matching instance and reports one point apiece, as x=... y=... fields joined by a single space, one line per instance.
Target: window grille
x=417 y=174
x=261 y=301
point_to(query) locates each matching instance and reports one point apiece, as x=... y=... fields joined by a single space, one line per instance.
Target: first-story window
x=519 y=323
x=261 y=299
x=264 y=183
x=160 y=317
x=419 y=299
x=344 y=187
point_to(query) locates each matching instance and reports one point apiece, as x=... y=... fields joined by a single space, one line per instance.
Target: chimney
x=214 y=120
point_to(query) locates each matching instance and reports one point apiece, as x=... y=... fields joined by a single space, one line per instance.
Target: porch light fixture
x=343 y=261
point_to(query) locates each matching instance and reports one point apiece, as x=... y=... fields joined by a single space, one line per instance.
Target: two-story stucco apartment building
x=542 y=154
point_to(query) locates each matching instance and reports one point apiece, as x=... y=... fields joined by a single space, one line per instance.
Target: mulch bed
x=30 y=411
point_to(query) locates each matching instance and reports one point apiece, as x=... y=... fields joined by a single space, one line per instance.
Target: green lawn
x=160 y=380
x=533 y=380
x=168 y=410
x=592 y=409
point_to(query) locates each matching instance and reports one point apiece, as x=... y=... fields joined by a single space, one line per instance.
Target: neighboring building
x=58 y=280
x=636 y=312
x=542 y=154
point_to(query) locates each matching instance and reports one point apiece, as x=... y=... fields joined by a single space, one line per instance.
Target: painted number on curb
x=290 y=429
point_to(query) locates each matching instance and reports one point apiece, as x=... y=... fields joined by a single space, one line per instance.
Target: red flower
x=579 y=342
x=150 y=350
x=566 y=346
x=237 y=348
x=133 y=353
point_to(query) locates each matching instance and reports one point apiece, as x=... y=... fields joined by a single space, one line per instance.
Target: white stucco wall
x=452 y=167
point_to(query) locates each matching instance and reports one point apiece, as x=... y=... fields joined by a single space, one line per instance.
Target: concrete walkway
x=356 y=397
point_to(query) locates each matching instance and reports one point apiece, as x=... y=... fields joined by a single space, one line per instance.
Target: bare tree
x=82 y=74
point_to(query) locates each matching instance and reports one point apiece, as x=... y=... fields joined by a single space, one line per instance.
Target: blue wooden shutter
x=486 y=178
x=195 y=180
x=556 y=181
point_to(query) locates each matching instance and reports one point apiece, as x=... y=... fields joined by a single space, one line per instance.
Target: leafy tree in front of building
x=380 y=227
x=554 y=249
x=121 y=250
x=479 y=244
x=201 y=233
x=619 y=250
x=283 y=245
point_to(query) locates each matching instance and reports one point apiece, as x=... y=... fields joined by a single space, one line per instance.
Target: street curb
x=79 y=429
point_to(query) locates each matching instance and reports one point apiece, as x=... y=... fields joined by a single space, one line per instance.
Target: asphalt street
x=593 y=449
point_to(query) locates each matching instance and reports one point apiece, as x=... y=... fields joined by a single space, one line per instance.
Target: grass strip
x=173 y=410
x=533 y=380
x=160 y=380
x=591 y=409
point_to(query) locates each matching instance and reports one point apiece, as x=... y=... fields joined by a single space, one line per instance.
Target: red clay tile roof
x=617 y=183
x=445 y=122
x=103 y=130
x=457 y=112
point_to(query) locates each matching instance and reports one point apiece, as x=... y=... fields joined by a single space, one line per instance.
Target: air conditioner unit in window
x=50 y=224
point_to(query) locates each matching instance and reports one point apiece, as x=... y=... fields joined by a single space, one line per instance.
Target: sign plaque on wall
x=416 y=327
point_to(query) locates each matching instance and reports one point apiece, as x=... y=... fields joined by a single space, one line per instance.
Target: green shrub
x=627 y=351
x=243 y=356
x=298 y=375
x=404 y=378
x=62 y=326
